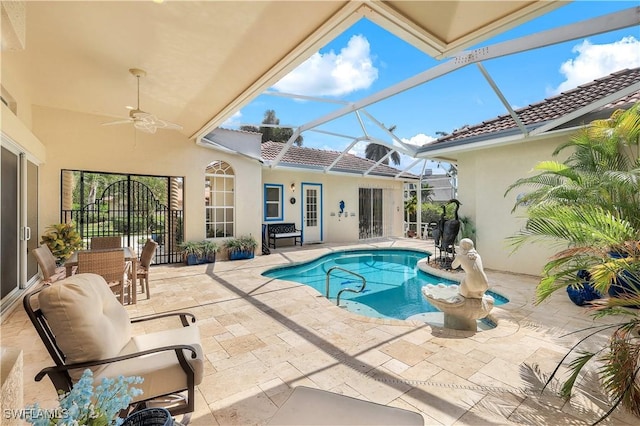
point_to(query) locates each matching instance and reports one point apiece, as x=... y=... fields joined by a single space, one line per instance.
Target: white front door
x=311 y=212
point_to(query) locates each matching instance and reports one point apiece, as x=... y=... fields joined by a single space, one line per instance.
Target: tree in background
x=274 y=134
x=376 y=152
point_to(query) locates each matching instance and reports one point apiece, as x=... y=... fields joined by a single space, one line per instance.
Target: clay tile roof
x=319 y=158
x=557 y=106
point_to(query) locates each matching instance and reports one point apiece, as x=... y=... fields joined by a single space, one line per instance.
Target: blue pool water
x=394 y=281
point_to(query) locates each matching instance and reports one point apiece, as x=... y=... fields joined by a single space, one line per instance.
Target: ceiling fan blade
x=162 y=124
x=151 y=120
x=142 y=120
x=144 y=126
x=110 y=123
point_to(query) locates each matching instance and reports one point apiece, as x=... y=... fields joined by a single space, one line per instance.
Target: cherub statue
x=475 y=283
x=463 y=304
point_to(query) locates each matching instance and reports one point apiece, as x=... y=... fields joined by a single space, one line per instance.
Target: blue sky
x=366 y=59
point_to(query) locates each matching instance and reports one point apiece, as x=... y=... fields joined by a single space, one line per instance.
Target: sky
x=366 y=59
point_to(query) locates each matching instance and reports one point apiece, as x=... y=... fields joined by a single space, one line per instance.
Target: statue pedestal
x=460 y=313
x=456 y=322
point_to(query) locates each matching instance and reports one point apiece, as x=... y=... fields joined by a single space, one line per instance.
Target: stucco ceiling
x=206 y=59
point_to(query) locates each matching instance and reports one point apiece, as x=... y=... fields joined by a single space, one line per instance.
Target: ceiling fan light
x=142 y=120
x=144 y=126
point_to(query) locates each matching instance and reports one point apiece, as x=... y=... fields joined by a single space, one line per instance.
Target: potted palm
x=590 y=205
x=242 y=247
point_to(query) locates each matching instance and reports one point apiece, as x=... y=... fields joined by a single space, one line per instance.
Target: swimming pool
x=394 y=281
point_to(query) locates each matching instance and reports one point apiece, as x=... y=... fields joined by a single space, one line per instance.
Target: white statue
x=464 y=303
x=475 y=283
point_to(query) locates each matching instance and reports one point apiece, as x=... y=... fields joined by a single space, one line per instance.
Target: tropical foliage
x=202 y=251
x=376 y=152
x=62 y=239
x=588 y=206
x=243 y=243
x=271 y=132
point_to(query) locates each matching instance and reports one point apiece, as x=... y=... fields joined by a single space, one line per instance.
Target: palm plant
x=377 y=152
x=589 y=207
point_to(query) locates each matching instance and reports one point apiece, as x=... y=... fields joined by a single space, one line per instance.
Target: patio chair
x=83 y=326
x=309 y=406
x=98 y=243
x=47 y=262
x=111 y=266
x=142 y=273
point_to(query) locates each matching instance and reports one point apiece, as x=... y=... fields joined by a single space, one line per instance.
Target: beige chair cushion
x=161 y=372
x=88 y=321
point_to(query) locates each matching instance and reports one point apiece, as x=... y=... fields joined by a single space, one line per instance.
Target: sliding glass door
x=18 y=216
x=370 y=213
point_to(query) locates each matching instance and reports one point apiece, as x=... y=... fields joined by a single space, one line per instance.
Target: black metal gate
x=130 y=209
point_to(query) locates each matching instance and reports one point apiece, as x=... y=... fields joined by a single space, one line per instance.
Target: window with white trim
x=219 y=200
x=273 y=206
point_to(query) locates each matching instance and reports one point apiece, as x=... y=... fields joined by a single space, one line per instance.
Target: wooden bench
x=277 y=231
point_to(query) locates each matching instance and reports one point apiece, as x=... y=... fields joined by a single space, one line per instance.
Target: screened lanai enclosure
x=134 y=207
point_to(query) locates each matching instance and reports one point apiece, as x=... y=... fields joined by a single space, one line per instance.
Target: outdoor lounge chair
x=83 y=326
x=309 y=406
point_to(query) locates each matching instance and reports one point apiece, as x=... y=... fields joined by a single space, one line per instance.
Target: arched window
x=219 y=200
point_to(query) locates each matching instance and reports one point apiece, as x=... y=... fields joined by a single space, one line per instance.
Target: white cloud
x=419 y=139
x=358 y=149
x=232 y=121
x=598 y=60
x=333 y=74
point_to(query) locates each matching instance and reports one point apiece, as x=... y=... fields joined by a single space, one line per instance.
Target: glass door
x=370 y=214
x=18 y=216
x=311 y=212
x=9 y=231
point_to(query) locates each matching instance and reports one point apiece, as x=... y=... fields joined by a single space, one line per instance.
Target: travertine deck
x=262 y=337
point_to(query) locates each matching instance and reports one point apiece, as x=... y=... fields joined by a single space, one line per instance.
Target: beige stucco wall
x=484 y=176
x=336 y=188
x=79 y=141
x=18 y=132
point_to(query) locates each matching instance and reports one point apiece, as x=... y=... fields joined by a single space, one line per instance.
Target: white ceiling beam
x=285 y=148
x=305 y=97
x=339 y=135
x=498 y=92
x=417 y=160
x=336 y=25
x=407 y=147
x=342 y=154
x=380 y=161
x=611 y=22
x=389 y=19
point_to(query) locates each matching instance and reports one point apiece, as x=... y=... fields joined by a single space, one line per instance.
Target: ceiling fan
x=142 y=120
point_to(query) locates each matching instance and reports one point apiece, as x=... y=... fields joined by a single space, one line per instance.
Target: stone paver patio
x=262 y=337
